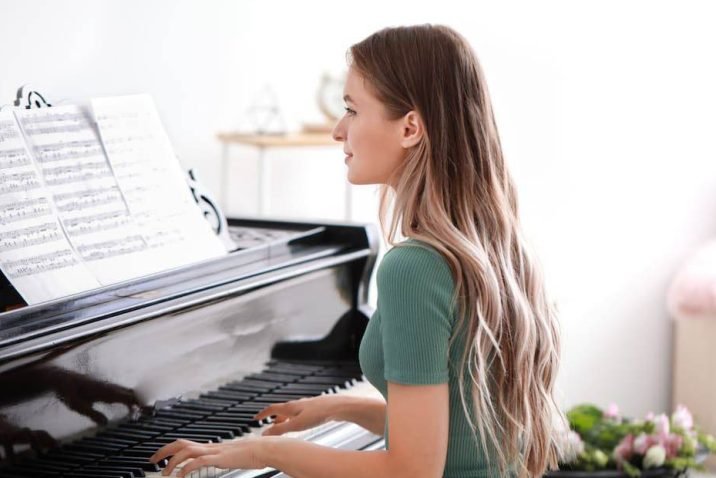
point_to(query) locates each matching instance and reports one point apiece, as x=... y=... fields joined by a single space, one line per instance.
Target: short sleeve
x=415 y=289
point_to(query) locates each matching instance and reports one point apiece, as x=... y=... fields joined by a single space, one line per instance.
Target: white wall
x=607 y=112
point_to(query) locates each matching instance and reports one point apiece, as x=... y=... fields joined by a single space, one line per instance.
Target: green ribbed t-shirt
x=406 y=342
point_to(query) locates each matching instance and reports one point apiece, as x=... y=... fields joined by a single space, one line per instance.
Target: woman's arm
x=418 y=433
x=418 y=417
x=366 y=412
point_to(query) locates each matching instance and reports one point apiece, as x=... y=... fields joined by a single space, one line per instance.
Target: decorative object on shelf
x=329 y=97
x=264 y=114
x=603 y=444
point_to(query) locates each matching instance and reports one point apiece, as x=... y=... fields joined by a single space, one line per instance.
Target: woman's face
x=371 y=141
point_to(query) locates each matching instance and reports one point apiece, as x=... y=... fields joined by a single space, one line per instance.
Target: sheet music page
x=65 y=145
x=35 y=255
x=152 y=181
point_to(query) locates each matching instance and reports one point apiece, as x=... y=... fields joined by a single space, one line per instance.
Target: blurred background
x=606 y=110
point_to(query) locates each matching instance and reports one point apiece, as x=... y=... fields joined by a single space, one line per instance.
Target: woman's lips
x=348 y=156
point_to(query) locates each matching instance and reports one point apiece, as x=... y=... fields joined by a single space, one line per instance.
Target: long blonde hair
x=453 y=191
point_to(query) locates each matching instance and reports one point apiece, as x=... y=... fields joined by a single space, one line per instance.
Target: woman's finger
x=191 y=451
x=196 y=463
x=170 y=449
x=276 y=409
x=291 y=425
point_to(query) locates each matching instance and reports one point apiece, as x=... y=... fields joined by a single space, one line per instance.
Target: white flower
x=682 y=418
x=655 y=456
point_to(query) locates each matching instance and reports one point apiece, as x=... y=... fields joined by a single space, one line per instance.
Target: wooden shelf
x=278 y=140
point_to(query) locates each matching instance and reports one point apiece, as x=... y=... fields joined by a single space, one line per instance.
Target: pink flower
x=672 y=444
x=643 y=442
x=661 y=423
x=650 y=417
x=625 y=449
x=612 y=411
x=682 y=418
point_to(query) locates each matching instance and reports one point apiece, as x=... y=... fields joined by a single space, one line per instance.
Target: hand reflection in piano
x=77 y=391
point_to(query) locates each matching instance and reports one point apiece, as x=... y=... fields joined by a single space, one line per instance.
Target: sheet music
x=35 y=254
x=66 y=147
x=152 y=182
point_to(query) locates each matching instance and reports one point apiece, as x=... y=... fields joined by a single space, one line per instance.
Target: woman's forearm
x=366 y=412
x=300 y=459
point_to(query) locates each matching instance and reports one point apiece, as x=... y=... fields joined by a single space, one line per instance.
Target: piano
x=92 y=384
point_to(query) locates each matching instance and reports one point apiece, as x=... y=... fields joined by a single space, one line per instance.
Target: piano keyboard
x=221 y=415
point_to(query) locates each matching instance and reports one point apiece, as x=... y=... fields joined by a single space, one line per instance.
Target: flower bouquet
x=604 y=444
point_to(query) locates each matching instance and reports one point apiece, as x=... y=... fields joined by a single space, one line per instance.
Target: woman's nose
x=338 y=132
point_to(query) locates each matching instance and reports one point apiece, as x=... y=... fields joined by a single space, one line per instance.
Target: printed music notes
x=91 y=198
x=35 y=255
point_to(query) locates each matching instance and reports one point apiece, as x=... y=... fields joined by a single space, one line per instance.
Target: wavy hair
x=454 y=192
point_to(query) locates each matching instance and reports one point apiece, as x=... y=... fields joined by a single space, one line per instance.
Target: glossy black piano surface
x=91 y=383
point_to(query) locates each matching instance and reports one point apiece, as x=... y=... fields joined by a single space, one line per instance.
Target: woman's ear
x=411 y=129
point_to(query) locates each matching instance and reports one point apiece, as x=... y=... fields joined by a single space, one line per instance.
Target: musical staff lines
x=30 y=236
x=37 y=264
x=24 y=210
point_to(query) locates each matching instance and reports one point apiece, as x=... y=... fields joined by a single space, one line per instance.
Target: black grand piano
x=92 y=384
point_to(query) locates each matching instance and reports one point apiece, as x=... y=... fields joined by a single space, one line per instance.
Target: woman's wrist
x=341 y=409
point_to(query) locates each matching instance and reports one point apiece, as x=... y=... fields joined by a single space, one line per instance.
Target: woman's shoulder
x=413 y=258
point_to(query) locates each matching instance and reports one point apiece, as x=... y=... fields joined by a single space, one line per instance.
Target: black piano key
x=135 y=472
x=125 y=434
x=32 y=469
x=94 y=474
x=117 y=444
x=60 y=455
x=205 y=407
x=243 y=407
x=134 y=463
x=127 y=471
x=229 y=396
x=29 y=473
x=145 y=426
x=306 y=367
x=260 y=383
x=273 y=377
x=246 y=420
x=267 y=400
x=238 y=428
x=180 y=414
x=338 y=373
x=194 y=436
x=223 y=434
x=301 y=388
x=213 y=402
x=228 y=430
x=285 y=396
x=139 y=453
x=248 y=387
x=166 y=421
x=89 y=448
x=5 y=473
x=289 y=371
x=48 y=467
x=327 y=379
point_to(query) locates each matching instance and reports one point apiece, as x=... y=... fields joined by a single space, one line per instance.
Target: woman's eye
x=349 y=111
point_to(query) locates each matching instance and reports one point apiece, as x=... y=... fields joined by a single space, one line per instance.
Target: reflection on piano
x=93 y=384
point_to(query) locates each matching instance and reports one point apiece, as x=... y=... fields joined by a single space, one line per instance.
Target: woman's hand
x=301 y=414
x=242 y=453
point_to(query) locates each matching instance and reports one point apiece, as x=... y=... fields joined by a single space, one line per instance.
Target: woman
x=463 y=345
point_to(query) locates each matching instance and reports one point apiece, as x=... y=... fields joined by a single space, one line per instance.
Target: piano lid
x=264 y=246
